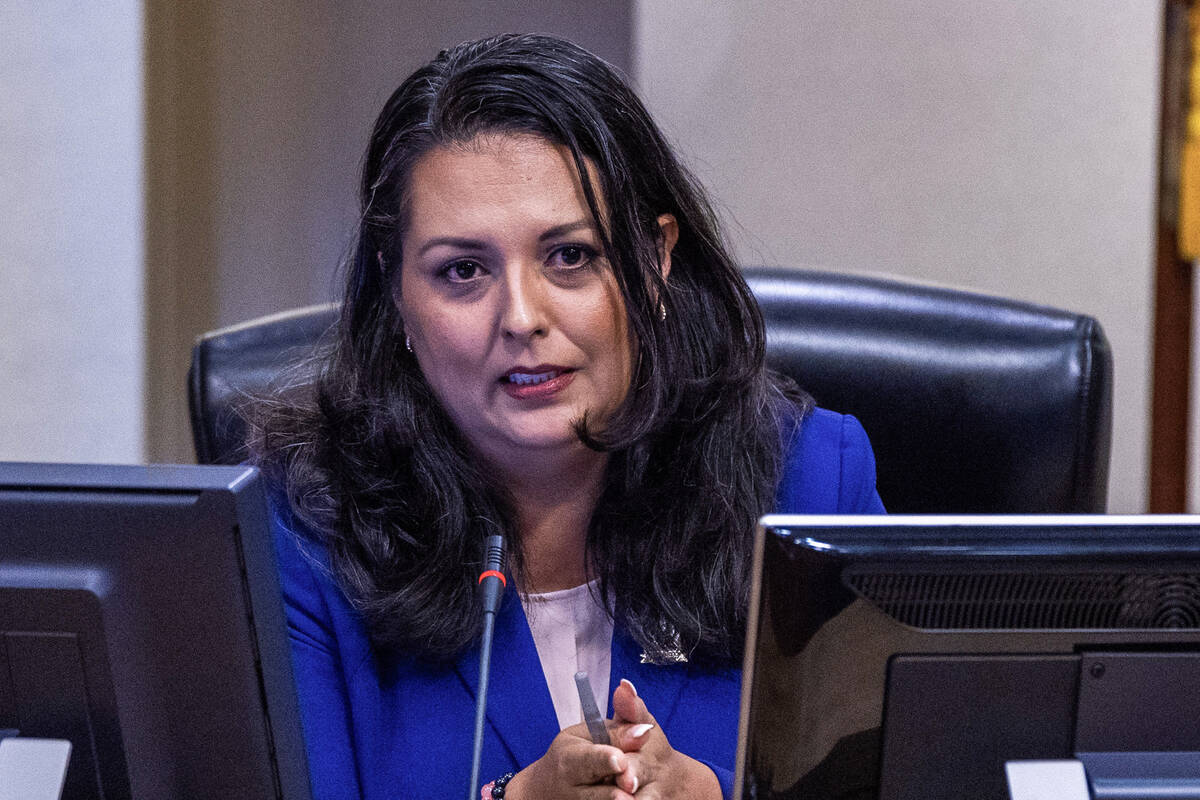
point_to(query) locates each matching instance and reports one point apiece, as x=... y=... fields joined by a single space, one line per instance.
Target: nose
x=525 y=313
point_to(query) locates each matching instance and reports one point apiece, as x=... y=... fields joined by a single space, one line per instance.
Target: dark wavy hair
x=374 y=466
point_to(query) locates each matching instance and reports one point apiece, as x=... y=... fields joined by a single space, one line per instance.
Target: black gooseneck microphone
x=491 y=589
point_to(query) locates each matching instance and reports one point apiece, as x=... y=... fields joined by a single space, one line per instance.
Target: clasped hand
x=639 y=762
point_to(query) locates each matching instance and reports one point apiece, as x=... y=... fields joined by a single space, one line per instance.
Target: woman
x=543 y=336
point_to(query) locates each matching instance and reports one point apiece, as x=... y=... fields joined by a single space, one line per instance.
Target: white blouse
x=573 y=634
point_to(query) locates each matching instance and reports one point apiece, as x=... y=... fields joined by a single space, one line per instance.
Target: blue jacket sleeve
x=829 y=468
x=316 y=664
x=858 y=494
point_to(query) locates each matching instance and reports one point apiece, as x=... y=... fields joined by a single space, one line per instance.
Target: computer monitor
x=141 y=619
x=914 y=657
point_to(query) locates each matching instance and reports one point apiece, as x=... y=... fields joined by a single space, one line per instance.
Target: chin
x=544 y=440
x=540 y=430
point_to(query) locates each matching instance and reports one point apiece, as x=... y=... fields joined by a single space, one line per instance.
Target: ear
x=668 y=235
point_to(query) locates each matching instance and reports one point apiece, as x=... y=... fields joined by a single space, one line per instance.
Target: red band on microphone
x=494 y=573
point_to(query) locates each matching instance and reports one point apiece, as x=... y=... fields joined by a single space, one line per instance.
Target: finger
x=627 y=706
x=593 y=763
x=578 y=730
x=630 y=737
x=603 y=793
x=637 y=775
x=627 y=781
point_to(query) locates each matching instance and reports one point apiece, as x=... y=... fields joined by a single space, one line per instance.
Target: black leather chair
x=974 y=404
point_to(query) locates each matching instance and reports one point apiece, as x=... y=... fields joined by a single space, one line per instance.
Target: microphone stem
x=485 y=669
x=491 y=590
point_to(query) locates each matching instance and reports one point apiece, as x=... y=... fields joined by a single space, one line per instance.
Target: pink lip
x=537 y=391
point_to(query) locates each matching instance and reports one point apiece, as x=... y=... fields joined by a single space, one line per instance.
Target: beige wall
x=1007 y=146
x=71 y=255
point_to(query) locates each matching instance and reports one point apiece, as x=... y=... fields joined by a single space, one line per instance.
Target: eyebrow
x=451 y=241
x=565 y=228
x=465 y=243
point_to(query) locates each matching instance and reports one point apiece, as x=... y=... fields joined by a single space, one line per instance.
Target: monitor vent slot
x=1023 y=600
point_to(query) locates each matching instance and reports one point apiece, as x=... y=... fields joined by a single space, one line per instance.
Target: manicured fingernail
x=628 y=683
x=634 y=785
x=638 y=731
x=615 y=764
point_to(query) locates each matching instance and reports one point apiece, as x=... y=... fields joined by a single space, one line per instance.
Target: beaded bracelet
x=495 y=789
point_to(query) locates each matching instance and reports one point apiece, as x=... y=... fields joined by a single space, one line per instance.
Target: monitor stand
x=1106 y=776
x=1057 y=779
x=1135 y=775
x=33 y=769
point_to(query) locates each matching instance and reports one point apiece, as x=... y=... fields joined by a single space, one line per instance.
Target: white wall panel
x=71 y=339
x=1007 y=146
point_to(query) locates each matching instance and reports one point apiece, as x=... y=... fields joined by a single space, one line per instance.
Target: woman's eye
x=572 y=256
x=462 y=271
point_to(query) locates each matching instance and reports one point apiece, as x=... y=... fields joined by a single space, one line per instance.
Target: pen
x=591 y=714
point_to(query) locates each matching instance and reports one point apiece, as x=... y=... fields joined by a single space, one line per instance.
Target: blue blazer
x=378 y=729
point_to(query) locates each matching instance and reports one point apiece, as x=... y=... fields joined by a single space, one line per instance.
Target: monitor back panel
x=897 y=657
x=131 y=628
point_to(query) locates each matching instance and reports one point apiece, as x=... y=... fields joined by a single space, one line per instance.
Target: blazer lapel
x=519 y=708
